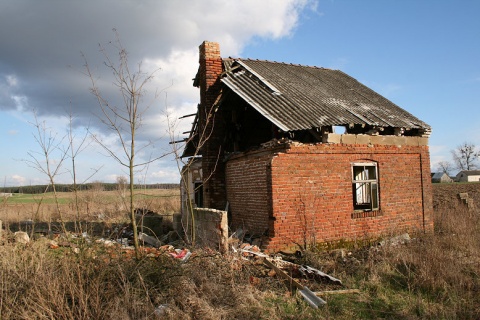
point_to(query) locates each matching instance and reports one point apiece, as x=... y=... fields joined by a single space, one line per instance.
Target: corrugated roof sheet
x=296 y=97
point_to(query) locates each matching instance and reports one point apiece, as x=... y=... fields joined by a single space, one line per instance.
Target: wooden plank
x=310 y=297
x=284 y=275
x=330 y=292
x=188 y=115
x=259 y=254
x=178 y=141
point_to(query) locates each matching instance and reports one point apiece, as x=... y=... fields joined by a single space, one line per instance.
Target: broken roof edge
x=253 y=104
x=287 y=145
x=278 y=62
x=259 y=77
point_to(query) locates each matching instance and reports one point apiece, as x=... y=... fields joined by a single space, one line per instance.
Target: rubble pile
x=310 y=283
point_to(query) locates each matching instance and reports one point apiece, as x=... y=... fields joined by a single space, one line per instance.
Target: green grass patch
x=47 y=198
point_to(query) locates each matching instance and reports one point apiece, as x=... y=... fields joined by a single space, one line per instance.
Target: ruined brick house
x=275 y=160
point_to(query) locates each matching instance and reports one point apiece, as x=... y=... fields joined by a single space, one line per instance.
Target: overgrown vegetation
x=434 y=276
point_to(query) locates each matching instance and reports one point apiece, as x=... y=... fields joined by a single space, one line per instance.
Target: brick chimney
x=213 y=169
x=210 y=65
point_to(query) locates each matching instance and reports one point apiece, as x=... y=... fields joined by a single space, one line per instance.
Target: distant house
x=441 y=177
x=274 y=161
x=468 y=176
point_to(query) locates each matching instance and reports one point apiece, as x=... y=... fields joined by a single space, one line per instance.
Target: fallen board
x=312 y=299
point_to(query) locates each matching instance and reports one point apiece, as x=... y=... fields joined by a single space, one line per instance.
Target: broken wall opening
x=206 y=227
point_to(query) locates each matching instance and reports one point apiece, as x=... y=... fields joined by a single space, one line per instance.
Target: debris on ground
x=332 y=292
x=310 y=273
x=106 y=242
x=397 y=240
x=181 y=254
x=161 y=310
x=21 y=237
x=148 y=239
x=251 y=250
x=299 y=277
x=305 y=292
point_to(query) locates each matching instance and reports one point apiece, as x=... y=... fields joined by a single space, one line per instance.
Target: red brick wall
x=311 y=192
x=248 y=190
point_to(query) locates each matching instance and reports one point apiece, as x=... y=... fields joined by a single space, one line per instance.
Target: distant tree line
x=37 y=189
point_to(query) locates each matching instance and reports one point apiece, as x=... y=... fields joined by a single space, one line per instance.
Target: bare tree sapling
x=124 y=120
x=49 y=160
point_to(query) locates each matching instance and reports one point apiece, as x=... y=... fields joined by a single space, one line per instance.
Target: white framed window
x=365 y=186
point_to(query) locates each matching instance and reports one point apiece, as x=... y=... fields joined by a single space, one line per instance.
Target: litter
x=106 y=243
x=309 y=296
x=21 y=237
x=182 y=254
x=161 y=310
x=150 y=240
x=312 y=272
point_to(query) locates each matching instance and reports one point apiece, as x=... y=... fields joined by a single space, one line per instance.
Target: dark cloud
x=42 y=42
x=40 y=39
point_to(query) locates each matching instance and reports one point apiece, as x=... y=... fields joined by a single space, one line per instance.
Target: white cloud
x=34 y=70
x=165 y=175
x=18 y=180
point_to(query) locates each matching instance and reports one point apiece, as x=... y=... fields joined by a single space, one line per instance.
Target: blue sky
x=422 y=55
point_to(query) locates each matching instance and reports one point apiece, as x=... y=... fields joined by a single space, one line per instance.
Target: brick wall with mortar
x=248 y=191
x=210 y=68
x=311 y=193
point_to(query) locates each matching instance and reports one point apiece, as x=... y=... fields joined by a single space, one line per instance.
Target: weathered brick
x=307 y=193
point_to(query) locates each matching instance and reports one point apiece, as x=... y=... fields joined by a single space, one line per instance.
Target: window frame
x=198 y=193
x=365 y=190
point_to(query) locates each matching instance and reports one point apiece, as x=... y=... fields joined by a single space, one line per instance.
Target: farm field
x=92 y=204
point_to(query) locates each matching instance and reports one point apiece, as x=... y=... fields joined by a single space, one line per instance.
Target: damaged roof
x=296 y=97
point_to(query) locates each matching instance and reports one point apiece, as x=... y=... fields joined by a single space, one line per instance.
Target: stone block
x=331 y=138
x=362 y=139
x=348 y=138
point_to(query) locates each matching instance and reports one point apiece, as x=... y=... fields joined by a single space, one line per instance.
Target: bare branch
x=124 y=120
x=466 y=156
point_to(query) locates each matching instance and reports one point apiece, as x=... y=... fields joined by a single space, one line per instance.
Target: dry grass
x=434 y=276
x=431 y=277
x=39 y=283
x=93 y=205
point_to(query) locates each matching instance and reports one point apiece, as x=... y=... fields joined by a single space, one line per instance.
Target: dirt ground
x=445 y=195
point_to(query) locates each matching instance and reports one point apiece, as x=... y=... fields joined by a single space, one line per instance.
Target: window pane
x=362 y=195
x=371 y=173
x=361 y=173
x=365 y=187
x=374 y=193
x=357 y=173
